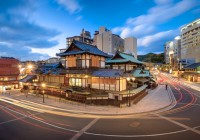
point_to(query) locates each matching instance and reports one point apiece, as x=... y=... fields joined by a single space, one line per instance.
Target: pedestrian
x=166 y=86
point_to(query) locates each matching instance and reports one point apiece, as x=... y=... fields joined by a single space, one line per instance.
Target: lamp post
x=30 y=68
x=43 y=86
x=129 y=97
x=129 y=100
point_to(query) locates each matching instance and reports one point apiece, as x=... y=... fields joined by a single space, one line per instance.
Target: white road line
x=18 y=118
x=107 y=135
x=42 y=121
x=187 y=103
x=179 y=124
x=75 y=137
x=135 y=136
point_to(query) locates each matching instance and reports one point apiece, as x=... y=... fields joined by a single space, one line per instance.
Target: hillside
x=151 y=57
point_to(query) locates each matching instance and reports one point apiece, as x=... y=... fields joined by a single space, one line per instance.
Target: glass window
x=102 y=64
x=75 y=82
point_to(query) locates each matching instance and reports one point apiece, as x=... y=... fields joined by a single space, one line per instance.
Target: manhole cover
x=135 y=124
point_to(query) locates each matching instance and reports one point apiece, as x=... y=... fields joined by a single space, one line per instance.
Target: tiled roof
x=52 y=65
x=53 y=68
x=108 y=73
x=140 y=73
x=143 y=80
x=125 y=58
x=193 y=66
x=84 y=48
x=28 y=78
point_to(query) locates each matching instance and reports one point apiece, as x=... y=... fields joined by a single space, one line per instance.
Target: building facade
x=192 y=72
x=173 y=53
x=190 y=41
x=108 y=42
x=169 y=52
x=53 y=60
x=9 y=73
x=84 y=37
x=85 y=68
x=130 y=46
x=123 y=61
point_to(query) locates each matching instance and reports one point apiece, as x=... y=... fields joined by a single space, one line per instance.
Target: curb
x=116 y=114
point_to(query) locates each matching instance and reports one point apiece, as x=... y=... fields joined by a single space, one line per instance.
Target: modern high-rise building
x=130 y=46
x=169 y=52
x=177 y=48
x=177 y=53
x=84 y=37
x=190 y=41
x=108 y=42
x=173 y=52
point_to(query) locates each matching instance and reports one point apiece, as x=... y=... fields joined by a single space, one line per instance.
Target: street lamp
x=43 y=86
x=133 y=78
x=30 y=66
x=129 y=100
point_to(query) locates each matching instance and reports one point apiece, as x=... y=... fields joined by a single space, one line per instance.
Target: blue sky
x=36 y=29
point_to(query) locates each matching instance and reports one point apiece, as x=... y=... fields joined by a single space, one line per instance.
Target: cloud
x=155 y=38
x=3 y=54
x=161 y=13
x=196 y=11
x=163 y=1
x=70 y=5
x=79 y=18
x=18 y=33
x=52 y=50
x=155 y=42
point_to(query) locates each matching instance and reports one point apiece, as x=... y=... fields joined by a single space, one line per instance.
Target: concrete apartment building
x=84 y=37
x=169 y=52
x=108 y=42
x=53 y=60
x=177 y=48
x=190 y=41
x=173 y=53
x=130 y=46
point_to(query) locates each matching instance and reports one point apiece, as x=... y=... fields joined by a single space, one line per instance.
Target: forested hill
x=152 y=57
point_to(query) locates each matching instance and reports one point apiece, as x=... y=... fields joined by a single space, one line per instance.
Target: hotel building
x=108 y=42
x=173 y=53
x=190 y=41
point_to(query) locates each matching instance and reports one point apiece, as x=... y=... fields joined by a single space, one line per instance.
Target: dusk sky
x=37 y=29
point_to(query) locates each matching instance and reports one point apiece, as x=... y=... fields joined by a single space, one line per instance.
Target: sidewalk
x=156 y=99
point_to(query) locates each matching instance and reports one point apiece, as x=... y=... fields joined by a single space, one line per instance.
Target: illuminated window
x=75 y=82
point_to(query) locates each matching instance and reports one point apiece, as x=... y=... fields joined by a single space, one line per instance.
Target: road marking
x=107 y=135
x=135 y=136
x=41 y=120
x=135 y=124
x=187 y=103
x=179 y=124
x=19 y=118
x=75 y=137
x=172 y=97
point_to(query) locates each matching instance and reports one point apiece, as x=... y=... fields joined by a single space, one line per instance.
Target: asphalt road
x=180 y=122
